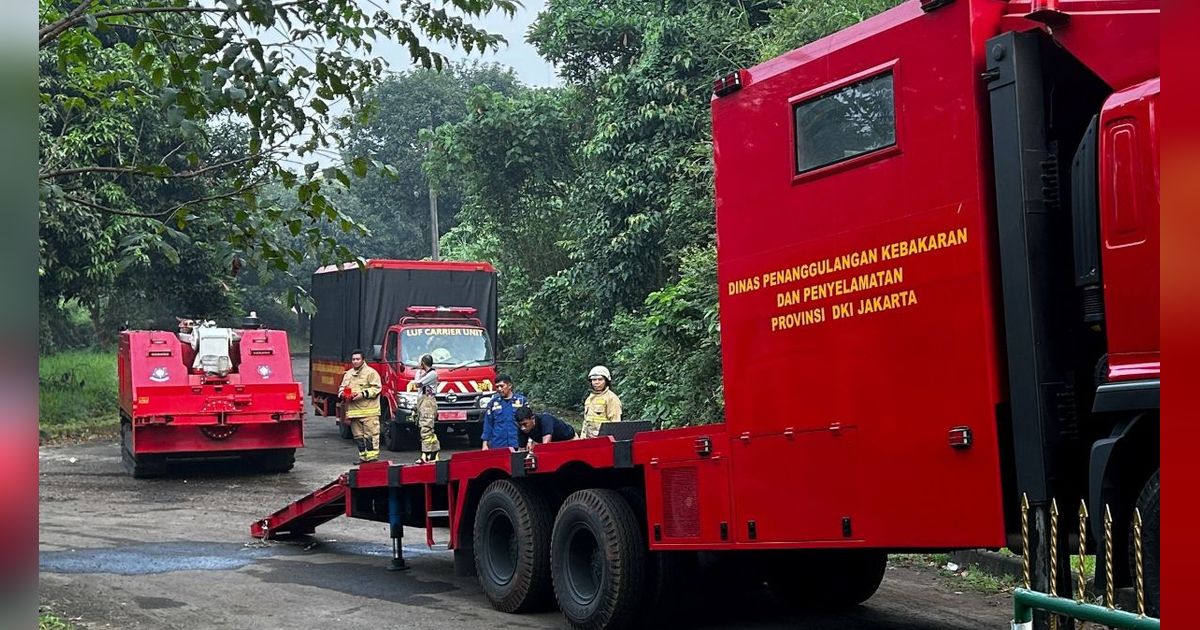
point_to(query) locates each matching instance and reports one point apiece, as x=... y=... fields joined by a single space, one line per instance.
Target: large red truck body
x=395 y=311
x=171 y=410
x=938 y=241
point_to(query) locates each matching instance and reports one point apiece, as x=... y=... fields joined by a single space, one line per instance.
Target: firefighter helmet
x=600 y=370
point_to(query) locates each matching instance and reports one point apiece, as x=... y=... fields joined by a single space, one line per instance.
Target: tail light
x=960 y=437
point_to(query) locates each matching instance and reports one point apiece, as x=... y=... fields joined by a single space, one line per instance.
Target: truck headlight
x=264 y=371
x=159 y=375
x=483 y=401
x=407 y=400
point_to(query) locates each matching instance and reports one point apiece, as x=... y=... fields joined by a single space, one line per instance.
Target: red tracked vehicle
x=208 y=392
x=938 y=261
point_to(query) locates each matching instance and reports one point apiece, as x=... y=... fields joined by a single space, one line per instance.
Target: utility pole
x=433 y=215
x=433 y=220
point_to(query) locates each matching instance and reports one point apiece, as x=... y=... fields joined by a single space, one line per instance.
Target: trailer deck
x=422 y=494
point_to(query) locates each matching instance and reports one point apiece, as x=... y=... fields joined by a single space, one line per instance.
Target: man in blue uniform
x=500 y=423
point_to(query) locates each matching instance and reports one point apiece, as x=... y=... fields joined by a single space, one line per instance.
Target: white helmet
x=600 y=370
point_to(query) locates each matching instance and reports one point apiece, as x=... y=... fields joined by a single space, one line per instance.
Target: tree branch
x=169 y=212
x=56 y=29
x=108 y=210
x=133 y=170
x=47 y=34
x=217 y=197
x=160 y=31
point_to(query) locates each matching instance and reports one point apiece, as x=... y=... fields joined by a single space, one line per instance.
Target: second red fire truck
x=395 y=311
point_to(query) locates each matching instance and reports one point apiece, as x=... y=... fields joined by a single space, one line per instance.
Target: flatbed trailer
x=610 y=530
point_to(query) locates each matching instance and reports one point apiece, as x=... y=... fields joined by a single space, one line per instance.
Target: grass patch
x=1089 y=561
x=976 y=579
x=77 y=394
x=917 y=560
x=49 y=621
x=962 y=576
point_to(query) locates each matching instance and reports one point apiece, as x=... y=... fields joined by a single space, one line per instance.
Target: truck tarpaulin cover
x=355 y=306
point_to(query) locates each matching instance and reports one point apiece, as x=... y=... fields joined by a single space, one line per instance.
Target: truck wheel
x=512 y=546
x=278 y=460
x=344 y=430
x=475 y=434
x=671 y=579
x=389 y=436
x=1147 y=504
x=140 y=466
x=597 y=560
x=401 y=436
x=827 y=579
x=386 y=428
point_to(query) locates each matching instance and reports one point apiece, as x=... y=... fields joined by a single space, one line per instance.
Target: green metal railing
x=1026 y=600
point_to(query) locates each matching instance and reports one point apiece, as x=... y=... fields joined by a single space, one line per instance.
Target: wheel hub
x=501 y=548
x=584 y=566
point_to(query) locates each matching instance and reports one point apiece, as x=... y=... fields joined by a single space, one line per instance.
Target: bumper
x=216 y=438
x=446 y=416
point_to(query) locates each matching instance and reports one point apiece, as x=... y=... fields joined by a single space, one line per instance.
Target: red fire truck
x=396 y=311
x=208 y=392
x=938 y=253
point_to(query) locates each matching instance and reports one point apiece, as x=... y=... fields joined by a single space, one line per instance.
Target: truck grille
x=455 y=400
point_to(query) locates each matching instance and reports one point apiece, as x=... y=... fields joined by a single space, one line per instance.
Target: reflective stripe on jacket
x=365 y=381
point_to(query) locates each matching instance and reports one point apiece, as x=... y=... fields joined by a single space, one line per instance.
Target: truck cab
x=462 y=354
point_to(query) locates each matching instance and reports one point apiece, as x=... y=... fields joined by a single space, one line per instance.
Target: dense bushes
x=597 y=200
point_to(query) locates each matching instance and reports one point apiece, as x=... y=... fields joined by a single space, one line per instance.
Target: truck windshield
x=448 y=346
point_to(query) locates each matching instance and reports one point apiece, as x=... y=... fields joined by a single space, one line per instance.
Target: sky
x=519 y=55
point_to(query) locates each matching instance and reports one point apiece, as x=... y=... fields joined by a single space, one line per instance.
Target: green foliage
x=65 y=325
x=393 y=204
x=141 y=164
x=595 y=200
x=797 y=23
x=77 y=393
x=50 y=621
x=670 y=353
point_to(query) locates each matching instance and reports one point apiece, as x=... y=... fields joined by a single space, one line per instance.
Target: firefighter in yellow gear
x=426 y=409
x=360 y=391
x=602 y=404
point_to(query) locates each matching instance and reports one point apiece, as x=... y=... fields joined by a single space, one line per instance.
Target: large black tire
x=475 y=434
x=1147 y=504
x=598 y=560
x=512 y=547
x=386 y=428
x=671 y=583
x=401 y=436
x=344 y=430
x=140 y=466
x=279 y=460
x=830 y=579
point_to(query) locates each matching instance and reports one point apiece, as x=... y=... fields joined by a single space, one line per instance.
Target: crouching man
x=542 y=428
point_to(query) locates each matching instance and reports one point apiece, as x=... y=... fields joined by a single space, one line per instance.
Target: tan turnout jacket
x=364 y=380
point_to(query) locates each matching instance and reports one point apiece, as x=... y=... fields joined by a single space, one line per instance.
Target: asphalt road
x=176 y=553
